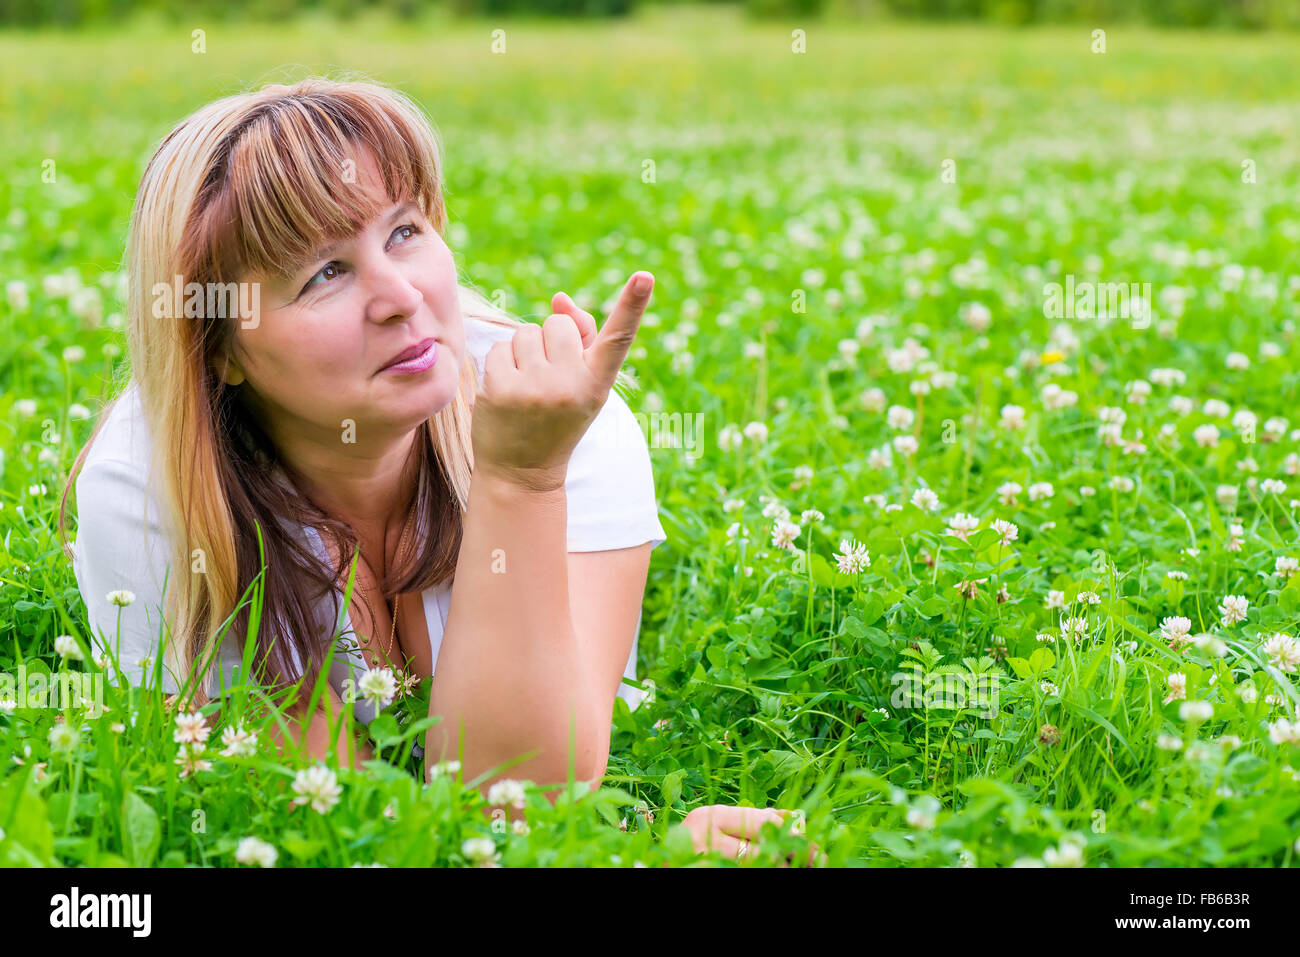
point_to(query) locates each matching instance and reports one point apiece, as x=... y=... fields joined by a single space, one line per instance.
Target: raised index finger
x=607 y=353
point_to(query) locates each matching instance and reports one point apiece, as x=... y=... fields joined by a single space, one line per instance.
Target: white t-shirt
x=121 y=545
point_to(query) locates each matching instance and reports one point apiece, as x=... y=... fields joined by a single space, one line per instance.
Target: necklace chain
x=397 y=557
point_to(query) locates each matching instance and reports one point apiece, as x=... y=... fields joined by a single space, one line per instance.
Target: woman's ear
x=229 y=372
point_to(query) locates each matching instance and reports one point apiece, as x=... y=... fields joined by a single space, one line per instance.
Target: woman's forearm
x=509 y=670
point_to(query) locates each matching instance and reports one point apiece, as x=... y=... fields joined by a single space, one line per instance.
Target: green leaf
x=933 y=606
x=1041 y=660
x=1021 y=667
x=29 y=839
x=141 y=833
x=869 y=611
x=671 y=788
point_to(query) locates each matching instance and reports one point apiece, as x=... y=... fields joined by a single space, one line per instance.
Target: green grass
x=779 y=178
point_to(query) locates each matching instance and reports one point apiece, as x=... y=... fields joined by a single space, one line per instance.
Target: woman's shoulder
x=123 y=438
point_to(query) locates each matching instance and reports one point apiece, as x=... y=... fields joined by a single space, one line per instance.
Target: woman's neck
x=369 y=489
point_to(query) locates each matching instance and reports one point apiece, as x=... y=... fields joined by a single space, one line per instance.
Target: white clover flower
x=775 y=510
x=1283 y=731
x=852 y=557
x=482 y=851
x=729 y=438
x=238 y=742
x=507 y=791
x=191 y=728
x=1175 y=630
x=756 y=432
x=976 y=315
x=1181 y=405
x=317 y=786
x=1040 y=490
x=873 y=400
x=906 y=445
x=919 y=387
x=74 y=354
x=1055 y=599
x=784 y=534
x=66 y=646
x=811 y=516
x=121 y=598
x=925 y=500
x=1088 y=598
x=1177 y=684
x=1007 y=531
x=962 y=524
x=1049 y=689
x=1283 y=651
x=1137 y=391
x=1121 y=483
x=63 y=737
x=1087 y=491
x=732 y=505
x=803 y=473
x=1008 y=491
x=1045 y=637
x=1176 y=575
x=1074 y=629
x=1247 y=692
x=447 y=768
x=253 y=850
x=1274 y=428
x=1169 y=742
x=1237 y=361
x=899 y=417
x=1196 y=711
x=1206 y=436
x=943 y=379
x=1216 y=408
x=1068 y=853
x=881 y=458
x=378 y=686
x=1012 y=417
x=1232 y=609
x=1286 y=566
x=1272 y=486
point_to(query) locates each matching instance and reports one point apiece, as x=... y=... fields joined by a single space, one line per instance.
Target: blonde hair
x=250 y=183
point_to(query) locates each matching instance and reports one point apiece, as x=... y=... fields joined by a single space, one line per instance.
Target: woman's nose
x=391 y=294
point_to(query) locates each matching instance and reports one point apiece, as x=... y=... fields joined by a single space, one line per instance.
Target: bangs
x=286 y=180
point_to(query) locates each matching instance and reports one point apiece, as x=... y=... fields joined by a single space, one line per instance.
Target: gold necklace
x=392 y=637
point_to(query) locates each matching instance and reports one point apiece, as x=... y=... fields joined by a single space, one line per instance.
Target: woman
x=314 y=391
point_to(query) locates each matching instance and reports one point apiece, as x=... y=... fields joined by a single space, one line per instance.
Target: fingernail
x=641 y=285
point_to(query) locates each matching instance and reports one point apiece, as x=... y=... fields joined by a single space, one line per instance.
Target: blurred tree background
x=1231 y=14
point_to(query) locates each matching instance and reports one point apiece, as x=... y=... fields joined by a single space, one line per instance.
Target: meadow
x=968 y=580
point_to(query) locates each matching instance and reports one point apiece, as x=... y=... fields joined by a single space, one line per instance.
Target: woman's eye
x=328 y=271
x=413 y=229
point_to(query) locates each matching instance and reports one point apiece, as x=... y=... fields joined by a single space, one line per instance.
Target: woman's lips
x=420 y=362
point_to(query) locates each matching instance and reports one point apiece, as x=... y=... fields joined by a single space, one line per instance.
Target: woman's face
x=318 y=362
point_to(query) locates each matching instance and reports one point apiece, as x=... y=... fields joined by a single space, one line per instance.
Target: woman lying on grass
x=329 y=401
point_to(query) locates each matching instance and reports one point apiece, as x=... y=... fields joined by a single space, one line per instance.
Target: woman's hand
x=543 y=388
x=730 y=830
